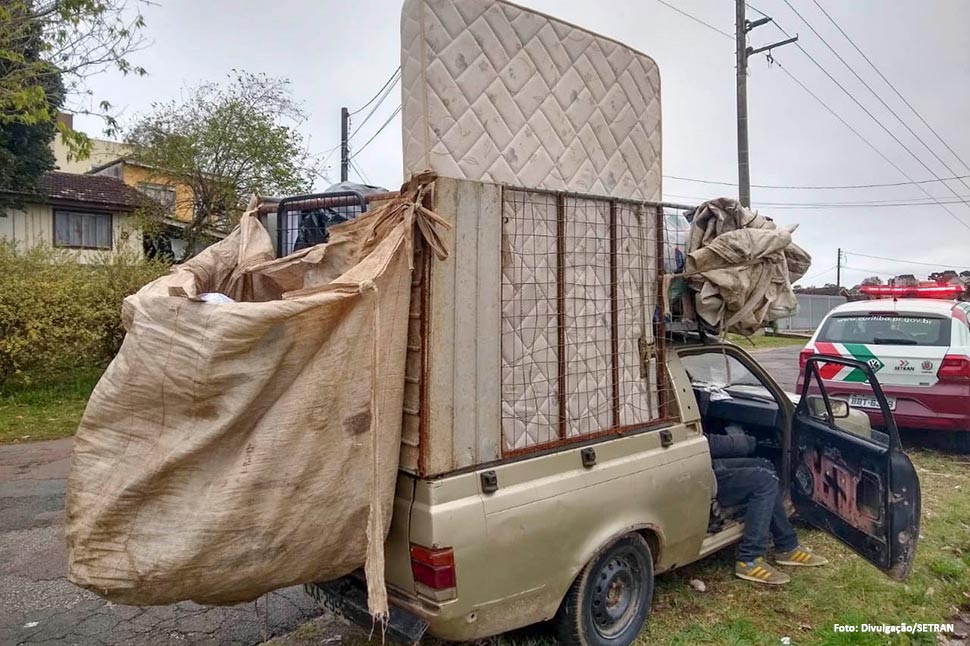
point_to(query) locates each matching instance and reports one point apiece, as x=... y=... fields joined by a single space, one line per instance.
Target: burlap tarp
x=232 y=449
x=742 y=267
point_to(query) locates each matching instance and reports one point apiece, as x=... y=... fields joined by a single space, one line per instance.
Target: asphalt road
x=39 y=606
x=781 y=363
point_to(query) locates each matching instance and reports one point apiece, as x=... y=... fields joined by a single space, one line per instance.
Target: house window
x=82 y=230
x=164 y=195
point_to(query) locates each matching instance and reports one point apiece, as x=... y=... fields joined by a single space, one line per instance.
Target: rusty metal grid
x=304 y=221
x=582 y=319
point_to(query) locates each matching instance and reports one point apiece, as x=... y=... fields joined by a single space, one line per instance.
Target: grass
x=762 y=342
x=848 y=591
x=45 y=409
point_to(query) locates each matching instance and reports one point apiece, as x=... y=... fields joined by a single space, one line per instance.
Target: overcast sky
x=339 y=54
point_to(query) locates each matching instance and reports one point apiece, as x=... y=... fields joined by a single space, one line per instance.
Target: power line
x=839 y=205
x=873 y=117
x=817 y=188
x=816 y=274
x=867 y=142
x=900 y=260
x=384 y=87
x=383 y=96
x=374 y=136
x=893 y=87
x=916 y=201
x=873 y=92
x=876 y=272
x=697 y=20
x=360 y=172
x=756 y=10
x=936 y=200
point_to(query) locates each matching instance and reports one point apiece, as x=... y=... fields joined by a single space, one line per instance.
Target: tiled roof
x=90 y=189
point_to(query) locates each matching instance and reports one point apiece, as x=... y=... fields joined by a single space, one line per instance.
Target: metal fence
x=581 y=324
x=812 y=308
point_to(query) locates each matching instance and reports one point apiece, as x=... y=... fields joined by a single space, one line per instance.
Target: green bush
x=56 y=314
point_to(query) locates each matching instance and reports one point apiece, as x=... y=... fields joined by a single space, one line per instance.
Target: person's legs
x=782 y=533
x=753 y=483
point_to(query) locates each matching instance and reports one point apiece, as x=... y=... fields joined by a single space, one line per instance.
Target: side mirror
x=816 y=407
x=840 y=408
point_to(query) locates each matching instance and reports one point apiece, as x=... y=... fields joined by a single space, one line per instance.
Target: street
x=39 y=606
x=781 y=363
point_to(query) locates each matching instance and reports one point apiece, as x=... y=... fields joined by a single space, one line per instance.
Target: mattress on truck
x=497 y=93
x=537 y=330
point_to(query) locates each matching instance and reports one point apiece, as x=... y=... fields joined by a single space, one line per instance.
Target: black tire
x=609 y=602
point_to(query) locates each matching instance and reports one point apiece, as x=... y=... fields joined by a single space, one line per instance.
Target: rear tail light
x=803 y=357
x=433 y=567
x=954 y=368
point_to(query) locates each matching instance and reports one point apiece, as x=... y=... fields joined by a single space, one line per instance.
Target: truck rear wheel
x=609 y=602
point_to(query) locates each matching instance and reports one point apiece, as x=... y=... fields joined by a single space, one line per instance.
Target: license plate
x=347 y=598
x=865 y=401
x=327 y=598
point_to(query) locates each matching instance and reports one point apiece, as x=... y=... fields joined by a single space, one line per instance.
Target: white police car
x=919 y=349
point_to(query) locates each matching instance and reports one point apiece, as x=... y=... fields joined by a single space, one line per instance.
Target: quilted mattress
x=497 y=93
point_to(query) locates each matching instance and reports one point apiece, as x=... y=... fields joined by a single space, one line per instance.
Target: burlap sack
x=232 y=449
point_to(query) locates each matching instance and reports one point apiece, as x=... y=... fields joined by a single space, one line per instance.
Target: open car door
x=851 y=478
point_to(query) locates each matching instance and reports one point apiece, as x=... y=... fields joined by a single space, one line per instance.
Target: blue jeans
x=753 y=482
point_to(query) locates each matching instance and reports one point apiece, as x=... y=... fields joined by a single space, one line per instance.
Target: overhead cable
x=374 y=136
x=893 y=87
x=876 y=94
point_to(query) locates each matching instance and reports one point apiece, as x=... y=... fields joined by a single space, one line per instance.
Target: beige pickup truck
x=554 y=458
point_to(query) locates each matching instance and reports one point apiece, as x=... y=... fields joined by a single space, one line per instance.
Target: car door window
x=849 y=406
x=721 y=370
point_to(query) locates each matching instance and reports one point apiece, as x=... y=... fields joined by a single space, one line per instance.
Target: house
x=102 y=150
x=92 y=216
x=174 y=201
x=177 y=198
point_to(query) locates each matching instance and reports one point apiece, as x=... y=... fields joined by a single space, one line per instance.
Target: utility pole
x=838 y=270
x=344 y=144
x=742 y=27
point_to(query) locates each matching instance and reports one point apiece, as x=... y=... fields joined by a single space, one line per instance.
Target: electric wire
x=379 y=130
x=816 y=188
x=875 y=94
x=833 y=205
x=380 y=101
x=936 y=201
x=392 y=78
x=360 y=172
x=758 y=11
x=873 y=117
x=695 y=19
x=382 y=93
x=876 y=272
x=896 y=260
x=816 y=274
x=891 y=85
x=835 y=114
